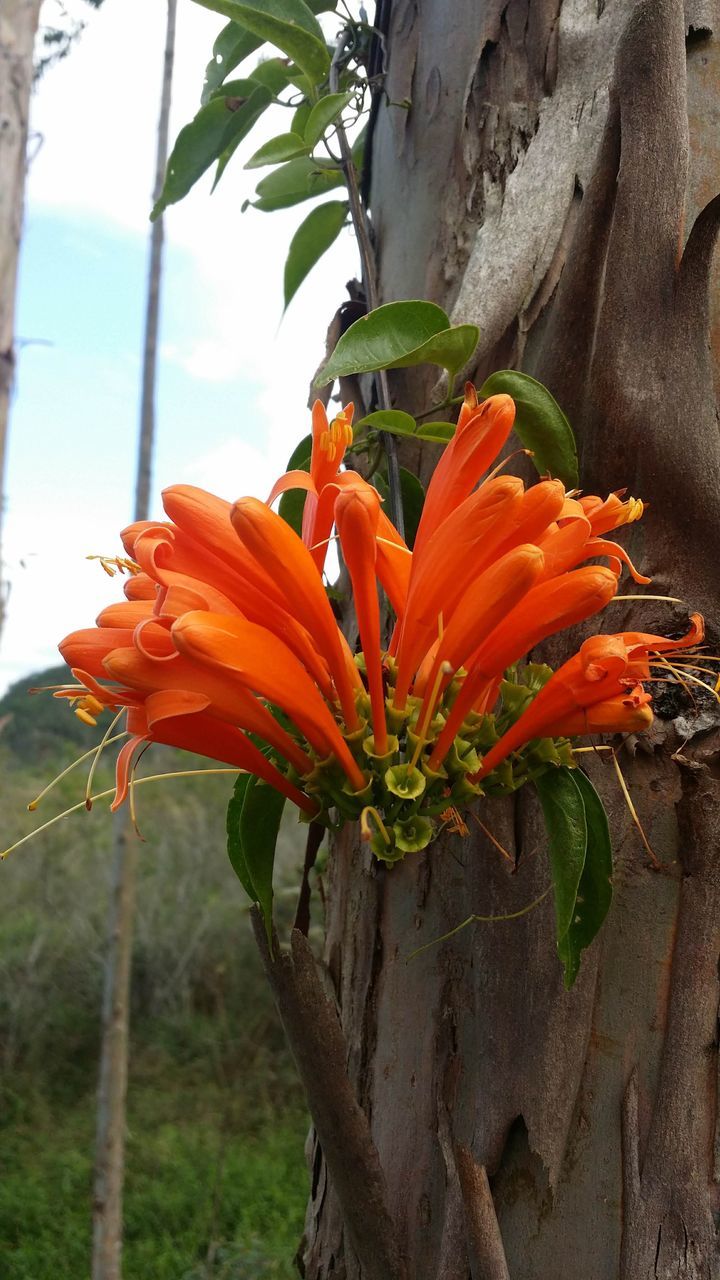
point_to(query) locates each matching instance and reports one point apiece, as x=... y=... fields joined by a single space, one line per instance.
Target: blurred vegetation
x=216 y=1181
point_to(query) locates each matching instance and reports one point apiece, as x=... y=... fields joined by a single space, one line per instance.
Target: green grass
x=215 y=1174
x=214 y=1189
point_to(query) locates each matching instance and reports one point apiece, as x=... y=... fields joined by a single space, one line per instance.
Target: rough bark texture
x=555 y=214
x=18 y=25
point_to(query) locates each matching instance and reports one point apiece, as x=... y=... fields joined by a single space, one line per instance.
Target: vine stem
x=361 y=223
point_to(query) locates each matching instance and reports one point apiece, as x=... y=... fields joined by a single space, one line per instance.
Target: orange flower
x=226 y=631
x=274 y=544
x=356 y=515
x=549 y=607
x=480 y=435
x=252 y=658
x=329 y=442
x=599 y=685
x=175 y=724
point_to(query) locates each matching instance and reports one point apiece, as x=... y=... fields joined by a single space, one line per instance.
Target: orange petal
x=291 y=480
x=278 y=548
x=394 y=563
x=356 y=517
x=489 y=599
x=125 y=613
x=464 y=461
x=256 y=658
x=228 y=700
x=461 y=548
x=89 y=648
x=206 y=520
x=547 y=608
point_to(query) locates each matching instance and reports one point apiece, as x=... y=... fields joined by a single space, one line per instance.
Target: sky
x=233 y=380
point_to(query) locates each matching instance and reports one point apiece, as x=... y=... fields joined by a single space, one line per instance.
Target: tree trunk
x=524 y=1131
x=18 y=25
x=112 y=1086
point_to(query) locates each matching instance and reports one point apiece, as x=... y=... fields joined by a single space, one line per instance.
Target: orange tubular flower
x=462 y=546
x=480 y=435
x=228 y=701
x=549 y=607
x=605 y=673
x=488 y=600
x=329 y=442
x=226 y=639
x=356 y=516
x=257 y=660
x=204 y=735
x=273 y=543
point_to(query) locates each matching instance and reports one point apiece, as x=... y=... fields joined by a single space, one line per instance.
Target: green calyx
x=384 y=758
x=401 y=803
x=414 y=834
x=405 y=781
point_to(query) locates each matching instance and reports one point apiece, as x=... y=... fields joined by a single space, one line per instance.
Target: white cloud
x=234 y=469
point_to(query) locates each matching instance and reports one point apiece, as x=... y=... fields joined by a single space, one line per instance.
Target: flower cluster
x=227 y=644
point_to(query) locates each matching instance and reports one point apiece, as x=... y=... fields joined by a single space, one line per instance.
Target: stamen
x=116 y=564
x=386 y=542
x=670 y=599
x=102 y=795
x=454 y=822
x=325 y=542
x=133 y=809
x=474 y=919
x=365 y=831
x=492 y=839
x=663 y=662
x=428 y=710
x=86 y=754
x=634 y=815
x=104 y=741
x=504 y=461
x=695 y=680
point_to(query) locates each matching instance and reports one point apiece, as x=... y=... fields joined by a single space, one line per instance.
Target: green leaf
x=259 y=827
x=392 y=420
x=313 y=237
x=216 y=128
x=398 y=335
x=323 y=114
x=413 y=497
x=438 y=432
x=540 y=424
x=287 y=24
x=232 y=826
x=594 y=893
x=232 y=46
x=300 y=118
x=275 y=73
x=286 y=146
x=236 y=88
x=297 y=180
x=580 y=861
x=292 y=503
x=235 y=43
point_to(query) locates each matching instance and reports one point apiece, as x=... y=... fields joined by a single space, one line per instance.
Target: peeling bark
x=524 y=1131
